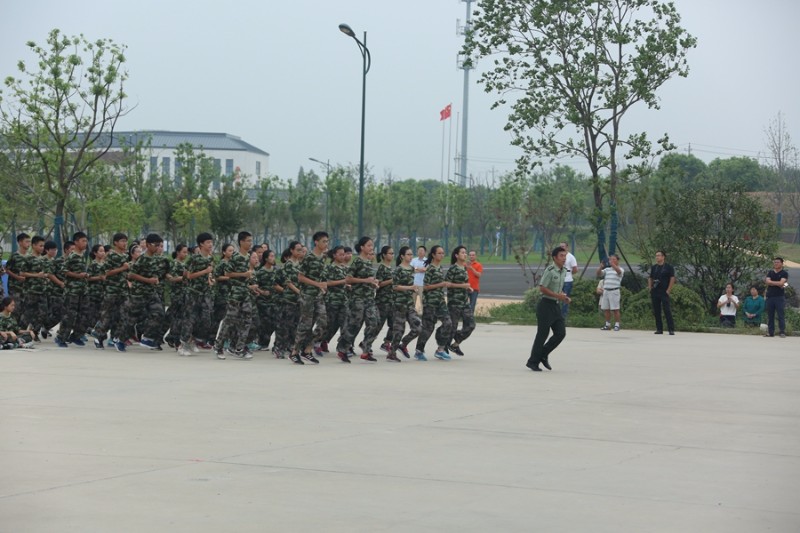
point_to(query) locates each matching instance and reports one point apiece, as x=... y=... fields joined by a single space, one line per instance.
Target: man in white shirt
x=571 y=266
x=419 y=276
x=612 y=281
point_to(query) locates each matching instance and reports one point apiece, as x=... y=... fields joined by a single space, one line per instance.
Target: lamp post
x=327 y=166
x=347 y=30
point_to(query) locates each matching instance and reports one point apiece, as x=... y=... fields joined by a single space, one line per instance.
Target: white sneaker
x=193 y=347
x=183 y=351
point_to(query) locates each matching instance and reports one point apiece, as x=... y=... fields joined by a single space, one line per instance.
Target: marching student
x=115 y=299
x=361 y=276
x=404 y=308
x=73 y=323
x=313 y=287
x=458 y=301
x=384 y=295
x=238 y=315
x=434 y=307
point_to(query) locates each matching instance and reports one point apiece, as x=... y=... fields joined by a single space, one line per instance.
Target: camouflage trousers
x=73 y=323
x=146 y=313
x=37 y=311
x=312 y=311
x=430 y=315
x=94 y=305
x=462 y=313
x=112 y=316
x=236 y=325
x=403 y=314
x=287 y=326
x=198 y=321
x=255 y=322
x=268 y=319
x=337 y=320
x=176 y=317
x=56 y=303
x=385 y=316
x=361 y=312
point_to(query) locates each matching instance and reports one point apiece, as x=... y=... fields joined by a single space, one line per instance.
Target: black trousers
x=662 y=300
x=776 y=304
x=548 y=317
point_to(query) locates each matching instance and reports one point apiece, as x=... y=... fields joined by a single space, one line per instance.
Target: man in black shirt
x=777 y=280
x=662 y=278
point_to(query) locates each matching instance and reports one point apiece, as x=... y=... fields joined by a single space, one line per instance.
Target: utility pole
x=465 y=102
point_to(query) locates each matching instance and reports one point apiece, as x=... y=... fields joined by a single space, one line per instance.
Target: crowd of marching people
x=245 y=300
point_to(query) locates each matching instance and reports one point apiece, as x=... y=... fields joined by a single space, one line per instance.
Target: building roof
x=171 y=140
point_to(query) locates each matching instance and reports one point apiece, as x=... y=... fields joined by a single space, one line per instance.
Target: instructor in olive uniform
x=548 y=312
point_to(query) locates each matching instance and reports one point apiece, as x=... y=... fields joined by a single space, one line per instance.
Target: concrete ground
x=629 y=432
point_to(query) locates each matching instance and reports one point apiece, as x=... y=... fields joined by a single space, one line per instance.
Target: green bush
x=687 y=310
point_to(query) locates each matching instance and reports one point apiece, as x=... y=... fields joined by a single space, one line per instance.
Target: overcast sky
x=281 y=76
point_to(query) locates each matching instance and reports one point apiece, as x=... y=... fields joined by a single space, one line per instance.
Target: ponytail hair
x=332 y=252
x=383 y=252
x=401 y=253
x=435 y=248
x=265 y=256
x=177 y=250
x=285 y=255
x=454 y=255
x=361 y=243
x=93 y=253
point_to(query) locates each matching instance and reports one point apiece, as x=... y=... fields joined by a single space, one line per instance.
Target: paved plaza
x=629 y=432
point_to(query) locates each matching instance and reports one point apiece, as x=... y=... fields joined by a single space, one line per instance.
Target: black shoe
x=672 y=333
x=546 y=364
x=658 y=332
x=768 y=335
x=296 y=359
x=533 y=366
x=310 y=358
x=456 y=349
x=367 y=356
x=343 y=357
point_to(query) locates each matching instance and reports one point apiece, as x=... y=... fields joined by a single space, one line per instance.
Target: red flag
x=444 y=114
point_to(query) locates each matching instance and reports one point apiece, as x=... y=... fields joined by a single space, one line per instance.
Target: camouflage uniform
x=37 y=310
x=336 y=305
x=178 y=311
x=115 y=300
x=238 y=315
x=290 y=311
x=362 y=308
x=9 y=323
x=268 y=306
x=55 y=297
x=255 y=319
x=199 y=302
x=221 y=289
x=434 y=308
x=311 y=303
x=404 y=310
x=146 y=306
x=384 y=301
x=458 y=305
x=95 y=293
x=73 y=324
x=17 y=264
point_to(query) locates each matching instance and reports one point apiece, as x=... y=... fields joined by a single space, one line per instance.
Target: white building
x=230 y=154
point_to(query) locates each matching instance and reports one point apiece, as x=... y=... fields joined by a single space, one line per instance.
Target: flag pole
x=442 y=171
x=449 y=144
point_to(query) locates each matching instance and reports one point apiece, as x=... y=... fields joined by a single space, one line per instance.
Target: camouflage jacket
x=75 y=263
x=433 y=276
x=403 y=277
x=362 y=268
x=457 y=297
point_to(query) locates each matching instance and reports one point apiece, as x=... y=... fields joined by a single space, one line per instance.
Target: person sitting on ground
x=728 y=304
x=11 y=336
x=753 y=308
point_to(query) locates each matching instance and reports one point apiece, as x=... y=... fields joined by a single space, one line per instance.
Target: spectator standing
x=728 y=304
x=419 y=276
x=474 y=272
x=660 y=283
x=610 y=297
x=777 y=280
x=571 y=268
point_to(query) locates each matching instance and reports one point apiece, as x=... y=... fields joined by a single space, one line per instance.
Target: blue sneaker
x=119 y=345
x=419 y=356
x=444 y=356
x=110 y=343
x=60 y=343
x=77 y=342
x=148 y=343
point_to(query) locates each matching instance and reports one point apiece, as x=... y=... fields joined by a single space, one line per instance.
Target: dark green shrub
x=687 y=310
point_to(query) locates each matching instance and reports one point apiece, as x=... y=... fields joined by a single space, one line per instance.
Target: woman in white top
x=728 y=304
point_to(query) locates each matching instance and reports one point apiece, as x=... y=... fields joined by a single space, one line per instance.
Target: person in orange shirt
x=474 y=272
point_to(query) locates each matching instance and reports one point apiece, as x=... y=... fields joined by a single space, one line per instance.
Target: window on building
x=165 y=164
x=258 y=168
x=178 y=176
x=229 y=167
x=217 y=174
x=153 y=166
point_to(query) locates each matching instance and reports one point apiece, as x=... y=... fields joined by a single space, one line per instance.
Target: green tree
x=228 y=208
x=304 y=200
x=713 y=236
x=340 y=194
x=65 y=109
x=577 y=67
x=742 y=170
x=270 y=203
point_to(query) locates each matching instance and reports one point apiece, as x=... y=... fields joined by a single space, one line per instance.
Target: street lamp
x=362 y=46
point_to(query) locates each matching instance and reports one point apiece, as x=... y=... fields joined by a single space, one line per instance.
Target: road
x=509 y=281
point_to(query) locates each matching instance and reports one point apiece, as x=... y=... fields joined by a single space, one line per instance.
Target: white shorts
x=609 y=301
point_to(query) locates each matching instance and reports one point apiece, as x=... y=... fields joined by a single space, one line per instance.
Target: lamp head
x=347 y=30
